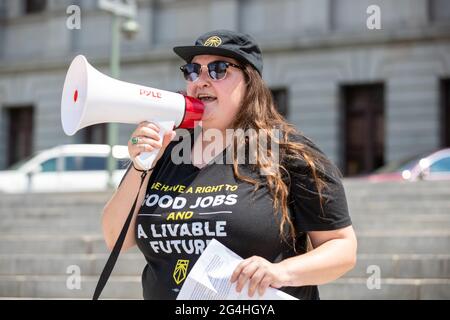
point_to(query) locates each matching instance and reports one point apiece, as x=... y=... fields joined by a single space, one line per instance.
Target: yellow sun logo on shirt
x=180 y=271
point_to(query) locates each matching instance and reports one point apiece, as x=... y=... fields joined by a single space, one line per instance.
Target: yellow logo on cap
x=214 y=41
x=180 y=271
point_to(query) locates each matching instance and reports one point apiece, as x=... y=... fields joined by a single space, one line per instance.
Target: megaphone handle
x=145 y=159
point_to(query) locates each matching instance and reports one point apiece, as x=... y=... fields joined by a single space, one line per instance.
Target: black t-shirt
x=185 y=207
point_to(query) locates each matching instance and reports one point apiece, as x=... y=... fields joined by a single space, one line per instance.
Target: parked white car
x=65 y=168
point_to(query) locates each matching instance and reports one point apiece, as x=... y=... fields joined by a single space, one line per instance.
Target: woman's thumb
x=168 y=137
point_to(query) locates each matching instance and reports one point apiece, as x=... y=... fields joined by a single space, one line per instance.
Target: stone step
x=381 y=195
x=42 y=200
x=390 y=242
x=54 y=244
x=57 y=264
x=359 y=191
x=362 y=189
x=398 y=223
x=402 y=266
x=127 y=287
x=410 y=213
x=357 y=184
x=51 y=204
x=390 y=289
x=403 y=206
x=81 y=210
x=397 y=242
x=54 y=201
x=92 y=223
x=118 y=287
x=74 y=228
x=391 y=265
x=51 y=226
x=355 y=207
x=362 y=227
x=412 y=195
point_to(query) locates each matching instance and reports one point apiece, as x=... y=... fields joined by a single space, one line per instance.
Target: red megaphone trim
x=193 y=112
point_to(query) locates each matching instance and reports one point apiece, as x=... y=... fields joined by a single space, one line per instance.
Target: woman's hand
x=261 y=274
x=148 y=140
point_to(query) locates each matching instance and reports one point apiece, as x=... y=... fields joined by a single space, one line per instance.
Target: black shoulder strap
x=109 y=266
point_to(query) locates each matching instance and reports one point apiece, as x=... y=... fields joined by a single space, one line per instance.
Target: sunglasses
x=217 y=70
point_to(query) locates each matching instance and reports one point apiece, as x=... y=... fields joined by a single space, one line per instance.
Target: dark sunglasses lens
x=217 y=70
x=191 y=71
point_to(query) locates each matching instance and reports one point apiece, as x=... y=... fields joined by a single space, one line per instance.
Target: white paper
x=210 y=277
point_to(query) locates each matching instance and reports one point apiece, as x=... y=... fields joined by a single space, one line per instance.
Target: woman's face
x=222 y=98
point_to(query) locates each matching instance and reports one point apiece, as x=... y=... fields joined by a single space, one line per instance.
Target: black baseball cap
x=232 y=44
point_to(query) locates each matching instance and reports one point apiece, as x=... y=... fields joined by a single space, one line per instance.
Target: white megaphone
x=89 y=97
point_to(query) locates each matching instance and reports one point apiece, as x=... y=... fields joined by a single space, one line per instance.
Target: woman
x=266 y=217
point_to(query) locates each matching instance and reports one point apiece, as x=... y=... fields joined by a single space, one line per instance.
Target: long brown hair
x=258 y=111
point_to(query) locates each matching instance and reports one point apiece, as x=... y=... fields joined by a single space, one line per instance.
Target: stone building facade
x=365 y=96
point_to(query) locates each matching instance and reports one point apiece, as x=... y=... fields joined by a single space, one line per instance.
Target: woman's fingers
x=150 y=125
x=238 y=270
x=146 y=132
x=260 y=273
x=140 y=148
x=255 y=281
x=168 y=137
x=146 y=139
x=157 y=144
x=245 y=275
x=265 y=283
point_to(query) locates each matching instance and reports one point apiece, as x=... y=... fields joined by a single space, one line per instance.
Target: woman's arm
x=333 y=255
x=118 y=207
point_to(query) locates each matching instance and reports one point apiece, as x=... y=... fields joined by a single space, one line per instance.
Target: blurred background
x=368 y=81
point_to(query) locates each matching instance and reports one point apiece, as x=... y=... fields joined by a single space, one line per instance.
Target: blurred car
x=65 y=168
x=427 y=166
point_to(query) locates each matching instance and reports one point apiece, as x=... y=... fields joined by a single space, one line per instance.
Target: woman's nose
x=203 y=79
x=200 y=83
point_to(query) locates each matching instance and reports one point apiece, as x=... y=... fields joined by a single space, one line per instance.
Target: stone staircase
x=43 y=235
x=403 y=232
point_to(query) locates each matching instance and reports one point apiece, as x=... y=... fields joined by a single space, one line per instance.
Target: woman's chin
x=208 y=113
x=208 y=123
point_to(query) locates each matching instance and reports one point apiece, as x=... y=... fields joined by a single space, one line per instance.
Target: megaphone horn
x=89 y=97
